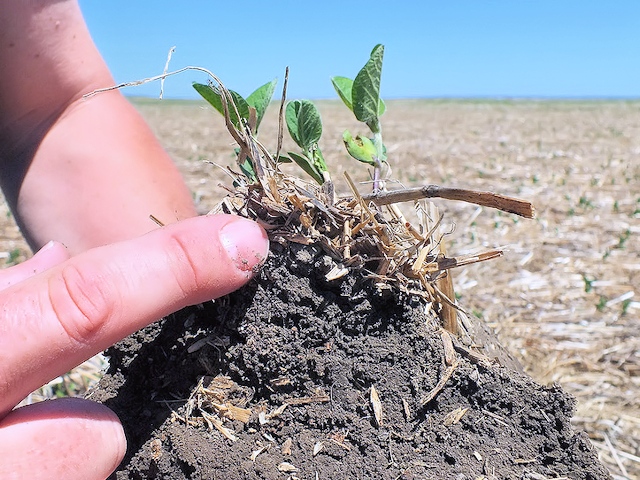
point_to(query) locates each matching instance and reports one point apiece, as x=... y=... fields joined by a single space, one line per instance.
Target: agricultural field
x=563 y=298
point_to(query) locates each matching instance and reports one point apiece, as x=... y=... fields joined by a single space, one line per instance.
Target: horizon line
x=433 y=97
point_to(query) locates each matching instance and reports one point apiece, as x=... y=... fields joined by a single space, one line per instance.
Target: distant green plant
x=585 y=203
x=14 y=255
x=602 y=303
x=588 y=283
x=622 y=239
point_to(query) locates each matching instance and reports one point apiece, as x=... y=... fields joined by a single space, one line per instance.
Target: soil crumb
x=295 y=377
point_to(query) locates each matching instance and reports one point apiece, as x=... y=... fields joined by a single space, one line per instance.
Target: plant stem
x=377 y=169
x=376 y=175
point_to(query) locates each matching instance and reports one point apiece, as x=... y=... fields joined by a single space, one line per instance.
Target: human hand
x=59 y=311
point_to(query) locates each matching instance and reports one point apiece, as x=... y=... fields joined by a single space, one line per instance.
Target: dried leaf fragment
x=455 y=416
x=440 y=385
x=237 y=413
x=156 y=449
x=215 y=422
x=339 y=439
x=221 y=382
x=406 y=409
x=338 y=271
x=257 y=452
x=286 y=446
x=317 y=448
x=280 y=381
x=262 y=418
x=265 y=417
x=376 y=405
x=286 y=467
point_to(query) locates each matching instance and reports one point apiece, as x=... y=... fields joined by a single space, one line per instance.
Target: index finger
x=60 y=317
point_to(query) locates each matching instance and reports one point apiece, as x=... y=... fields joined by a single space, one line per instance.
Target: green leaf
x=304 y=123
x=307 y=165
x=260 y=100
x=366 y=90
x=212 y=95
x=309 y=123
x=291 y=118
x=241 y=105
x=283 y=159
x=247 y=169
x=382 y=107
x=343 y=86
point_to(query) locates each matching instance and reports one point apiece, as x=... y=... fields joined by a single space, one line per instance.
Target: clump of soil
x=295 y=376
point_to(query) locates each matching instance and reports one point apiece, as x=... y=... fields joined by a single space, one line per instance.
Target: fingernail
x=246 y=243
x=48 y=246
x=53 y=252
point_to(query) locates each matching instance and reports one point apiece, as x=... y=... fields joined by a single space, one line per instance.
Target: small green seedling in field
x=602 y=303
x=588 y=283
x=622 y=239
x=14 y=255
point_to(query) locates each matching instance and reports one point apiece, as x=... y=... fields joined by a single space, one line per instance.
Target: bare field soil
x=562 y=298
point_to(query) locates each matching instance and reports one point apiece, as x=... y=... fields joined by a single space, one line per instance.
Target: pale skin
x=82 y=177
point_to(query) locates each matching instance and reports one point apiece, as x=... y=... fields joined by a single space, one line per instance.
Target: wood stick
x=486 y=199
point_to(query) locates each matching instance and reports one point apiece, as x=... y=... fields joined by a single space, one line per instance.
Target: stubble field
x=564 y=297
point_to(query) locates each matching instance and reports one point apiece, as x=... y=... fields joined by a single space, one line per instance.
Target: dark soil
x=303 y=354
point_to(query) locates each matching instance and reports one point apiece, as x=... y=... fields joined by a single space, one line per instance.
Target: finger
x=67 y=438
x=59 y=318
x=52 y=254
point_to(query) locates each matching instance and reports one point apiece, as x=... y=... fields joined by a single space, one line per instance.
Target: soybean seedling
x=362 y=97
x=246 y=113
x=305 y=127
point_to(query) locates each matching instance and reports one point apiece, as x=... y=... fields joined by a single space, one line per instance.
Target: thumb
x=67 y=438
x=55 y=320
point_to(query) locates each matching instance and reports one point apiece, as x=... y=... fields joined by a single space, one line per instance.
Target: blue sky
x=483 y=48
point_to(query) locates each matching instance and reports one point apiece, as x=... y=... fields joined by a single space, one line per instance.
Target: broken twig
x=486 y=199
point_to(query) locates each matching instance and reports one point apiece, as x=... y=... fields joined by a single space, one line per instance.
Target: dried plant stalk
x=449 y=314
x=486 y=199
